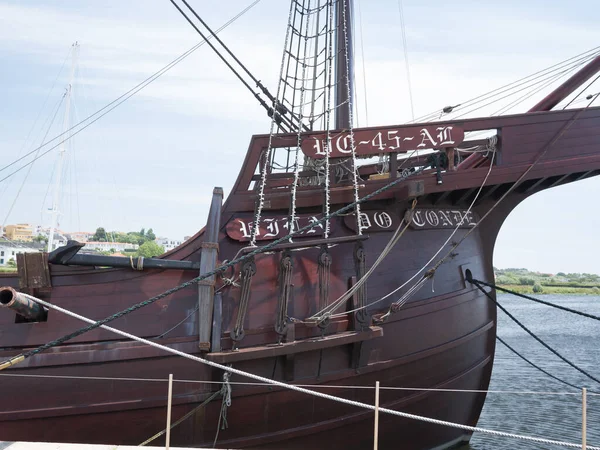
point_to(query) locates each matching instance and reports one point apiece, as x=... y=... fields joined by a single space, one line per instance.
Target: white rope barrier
x=314 y=386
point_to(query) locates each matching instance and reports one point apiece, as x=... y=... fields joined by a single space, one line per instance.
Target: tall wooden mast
x=344 y=63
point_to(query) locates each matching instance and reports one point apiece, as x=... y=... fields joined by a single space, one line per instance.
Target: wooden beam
x=208 y=262
x=294 y=347
x=440 y=197
x=558 y=180
x=465 y=194
x=532 y=186
x=584 y=175
x=312 y=243
x=488 y=190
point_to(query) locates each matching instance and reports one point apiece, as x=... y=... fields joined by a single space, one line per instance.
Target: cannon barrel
x=19 y=303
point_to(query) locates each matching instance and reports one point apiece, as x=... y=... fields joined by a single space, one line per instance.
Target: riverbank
x=571 y=290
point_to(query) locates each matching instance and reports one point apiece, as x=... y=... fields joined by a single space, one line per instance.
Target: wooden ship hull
x=442 y=338
x=261 y=315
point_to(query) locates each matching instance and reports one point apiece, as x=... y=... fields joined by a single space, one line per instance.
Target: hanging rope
x=536 y=366
x=324 y=273
x=286 y=267
x=329 y=35
x=407 y=65
x=543 y=302
x=327 y=311
x=531 y=333
x=186 y=416
x=299 y=135
x=225 y=404
x=248 y=271
x=267 y=153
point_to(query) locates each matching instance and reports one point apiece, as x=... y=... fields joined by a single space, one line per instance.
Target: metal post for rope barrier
x=583 y=418
x=169 y=402
x=376 y=431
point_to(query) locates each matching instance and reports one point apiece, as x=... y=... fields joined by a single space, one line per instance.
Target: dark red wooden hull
x=443 y=338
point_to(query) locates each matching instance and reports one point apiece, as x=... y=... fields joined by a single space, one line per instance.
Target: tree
x=537 y=288
x=526 y=281
x=149 y=249
x=150 y=235
x=143 y=232
x=11 y=263
x=100 y=235
x=40 y=238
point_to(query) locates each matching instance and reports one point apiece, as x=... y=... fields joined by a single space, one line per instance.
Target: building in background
x=19 y=232
x=79 y=236
x=107 y=246
x=10 y=249
x=168 y=244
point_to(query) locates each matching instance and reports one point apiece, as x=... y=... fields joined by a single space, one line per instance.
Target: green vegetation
x=150 y=249
x=131 y=237
x=11 y=266
x=526 y=282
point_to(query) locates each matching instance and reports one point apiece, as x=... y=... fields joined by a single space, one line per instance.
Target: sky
x=153 y=161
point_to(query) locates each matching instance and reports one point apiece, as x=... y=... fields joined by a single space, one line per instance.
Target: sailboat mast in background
x=61 y=153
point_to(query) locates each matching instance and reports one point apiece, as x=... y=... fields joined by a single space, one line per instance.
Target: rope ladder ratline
x=269 y=150
x=299 y=389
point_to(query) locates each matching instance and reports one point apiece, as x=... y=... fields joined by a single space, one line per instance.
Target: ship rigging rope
x=547 y=81
x=534 y=90
x=326 y=312
x=300 y=120
x=531 y=333
x=542 y=370
x=542 y=153
x=214 y=395
x=554 y=305
x=265 y=91
x=582 y=91
x=327 y=117
x=450 y=253
x=577 y=60
x=428 y=274
x=73 y=131
x=194 y=281
x=60 y=102
x=407 y=65
x=269 y=150
x=39 y=114
x=345 y=11
x=323 y=395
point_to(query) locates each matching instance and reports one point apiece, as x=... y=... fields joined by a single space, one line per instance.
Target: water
x=549 y=416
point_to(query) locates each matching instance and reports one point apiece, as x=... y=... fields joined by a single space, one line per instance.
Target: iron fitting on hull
x=19 y=303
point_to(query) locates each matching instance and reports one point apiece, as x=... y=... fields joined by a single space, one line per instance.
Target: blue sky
x=154 y=160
